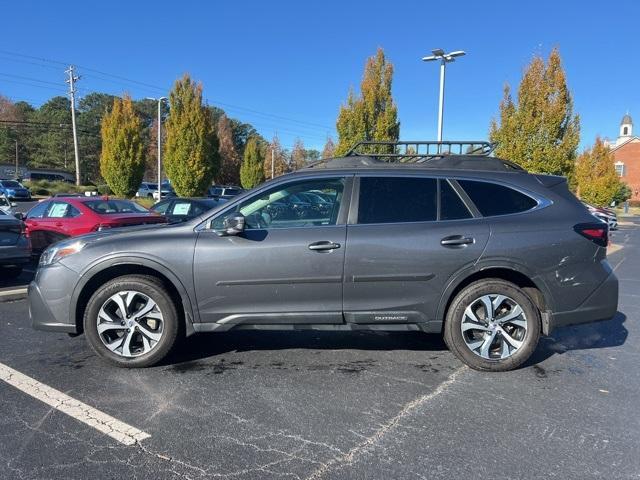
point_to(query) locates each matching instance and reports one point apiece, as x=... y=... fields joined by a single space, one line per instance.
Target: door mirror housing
x=232 y=225
x=19 y=216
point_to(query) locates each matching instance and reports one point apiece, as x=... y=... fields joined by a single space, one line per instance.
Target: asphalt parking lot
x=310 y=405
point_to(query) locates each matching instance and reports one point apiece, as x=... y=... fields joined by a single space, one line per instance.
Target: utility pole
x=159 y=100
x=439 y=54
x=273 y=163
x=72 y=93
x=16 y=159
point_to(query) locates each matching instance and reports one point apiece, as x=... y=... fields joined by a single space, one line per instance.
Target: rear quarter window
x=493 y=199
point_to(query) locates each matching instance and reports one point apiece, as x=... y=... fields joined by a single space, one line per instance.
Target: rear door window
x=397 y=199
x=493 y=199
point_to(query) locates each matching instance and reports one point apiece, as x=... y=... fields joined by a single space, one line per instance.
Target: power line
x=162 y=89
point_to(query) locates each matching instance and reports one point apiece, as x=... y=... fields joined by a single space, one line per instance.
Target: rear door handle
x=323 y=246
x=456 y=241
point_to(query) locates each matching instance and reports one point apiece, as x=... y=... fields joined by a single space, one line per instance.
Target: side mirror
x=14 y=204
x=233 y=225
x=19 y=216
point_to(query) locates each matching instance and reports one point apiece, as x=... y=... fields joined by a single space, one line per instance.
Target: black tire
x=153 y=288
x=11 y=272
x=453 y=335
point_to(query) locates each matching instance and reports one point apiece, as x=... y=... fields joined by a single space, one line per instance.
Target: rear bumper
x=50 y=297
x=602 y=304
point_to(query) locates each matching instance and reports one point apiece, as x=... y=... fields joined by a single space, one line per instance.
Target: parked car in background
x=471 y=247
x=15 y=249
x=166 y=191
x=224 y=191
x=605 y=214
x=146 y=190
x=179 y=209
x=6 y=205
x=68 y=195
x=14 y=190
x=58 y=218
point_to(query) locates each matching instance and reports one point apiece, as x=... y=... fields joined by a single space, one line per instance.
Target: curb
x=13 y=294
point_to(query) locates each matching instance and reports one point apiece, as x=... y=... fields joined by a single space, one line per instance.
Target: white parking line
x=102 y=422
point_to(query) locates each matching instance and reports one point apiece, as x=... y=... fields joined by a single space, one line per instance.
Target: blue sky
x=287 y=66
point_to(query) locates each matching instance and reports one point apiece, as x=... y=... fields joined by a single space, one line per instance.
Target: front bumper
x=602 y=304
x=50 y=298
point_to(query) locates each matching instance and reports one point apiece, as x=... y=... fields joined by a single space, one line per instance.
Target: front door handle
x=323 y=246
x=456 y=241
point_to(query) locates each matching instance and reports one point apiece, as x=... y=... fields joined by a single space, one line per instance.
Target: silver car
x=470 y=247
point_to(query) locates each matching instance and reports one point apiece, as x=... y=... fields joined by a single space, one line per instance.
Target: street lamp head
x=438 y=52
x=457 y=53
x=430 y=58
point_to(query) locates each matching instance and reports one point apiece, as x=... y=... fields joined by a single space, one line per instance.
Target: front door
x=287 y=265
x=403 y=249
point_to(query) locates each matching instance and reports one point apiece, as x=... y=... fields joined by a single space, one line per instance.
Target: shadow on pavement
x=202 y=346
x=604 y=334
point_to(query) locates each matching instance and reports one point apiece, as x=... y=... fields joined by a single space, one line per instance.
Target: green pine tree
x=373 y=115
x=596 y=177
x=251 y=170
x=539 y=130
x=191 y=155
x=122 y=160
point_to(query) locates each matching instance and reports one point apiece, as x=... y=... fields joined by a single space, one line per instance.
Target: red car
x=59 y=218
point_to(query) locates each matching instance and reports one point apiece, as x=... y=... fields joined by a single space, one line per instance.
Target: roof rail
x=419 y=151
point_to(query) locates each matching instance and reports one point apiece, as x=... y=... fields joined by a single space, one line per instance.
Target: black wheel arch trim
x=489 y=264
x=86 y=275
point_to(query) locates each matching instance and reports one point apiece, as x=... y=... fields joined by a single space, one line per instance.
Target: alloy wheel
x=494 y=326
x=130 y=323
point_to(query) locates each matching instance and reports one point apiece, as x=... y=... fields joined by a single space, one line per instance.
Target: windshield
x=107 y=207
x=11 y=184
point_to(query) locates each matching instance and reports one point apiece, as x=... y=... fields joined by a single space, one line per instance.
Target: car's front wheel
x=492 y=325
x=132 y=321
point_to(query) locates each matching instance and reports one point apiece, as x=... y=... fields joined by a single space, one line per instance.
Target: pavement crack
x=348 y=457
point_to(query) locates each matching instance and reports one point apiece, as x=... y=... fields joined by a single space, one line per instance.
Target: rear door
x=405 y=239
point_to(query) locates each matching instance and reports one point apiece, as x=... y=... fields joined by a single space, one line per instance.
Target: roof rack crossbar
x=419 y=151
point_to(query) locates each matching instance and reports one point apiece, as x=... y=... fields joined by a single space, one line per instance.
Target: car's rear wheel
x=132 y=321
x=492 y=325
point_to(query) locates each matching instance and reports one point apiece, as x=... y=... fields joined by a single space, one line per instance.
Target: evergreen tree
x=191 y=149
x=251 y=170
x=329 y=149
x=279 y=159
x=596 y=177
x=373 y=115
x=298 y=155
x=539 y=131
x=122 y=160
x=229 y=173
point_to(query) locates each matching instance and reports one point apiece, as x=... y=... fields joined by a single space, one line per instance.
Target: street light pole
x=439 y=54
x=159 y=100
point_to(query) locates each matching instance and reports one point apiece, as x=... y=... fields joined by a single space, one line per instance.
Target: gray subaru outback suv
x=466 y=245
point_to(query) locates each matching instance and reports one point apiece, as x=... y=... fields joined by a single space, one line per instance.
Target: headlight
x=60 y=250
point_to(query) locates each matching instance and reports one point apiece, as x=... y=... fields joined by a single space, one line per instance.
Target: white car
x=6 y=205
x=147 y=190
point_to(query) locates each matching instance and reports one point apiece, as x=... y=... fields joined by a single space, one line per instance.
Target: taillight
x=24 y=230
x=598 y=233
